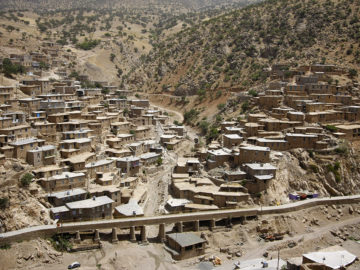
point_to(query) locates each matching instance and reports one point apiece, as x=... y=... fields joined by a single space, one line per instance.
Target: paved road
x=34 y=232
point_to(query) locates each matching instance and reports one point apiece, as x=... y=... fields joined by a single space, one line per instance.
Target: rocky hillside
x=110 y=4
x=236 y=49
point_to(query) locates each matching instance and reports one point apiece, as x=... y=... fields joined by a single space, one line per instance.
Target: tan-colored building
x=185 y=245
x=22 y=146
x=252 y=153
x=63 y=181
x=41 y=156
x=232 y=140
x=90 y=209
x=299 y=140
x=103 y=165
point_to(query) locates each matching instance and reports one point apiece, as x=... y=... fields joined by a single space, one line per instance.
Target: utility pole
x=278 y=260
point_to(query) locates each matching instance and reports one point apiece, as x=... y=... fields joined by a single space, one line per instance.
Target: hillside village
x=86 y=163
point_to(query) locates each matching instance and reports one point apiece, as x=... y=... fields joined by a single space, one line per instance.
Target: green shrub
x=61 y=242
x=4 y=202
x=26 y=179
x=159 y=161
x=253 y=93
x=5 y=246
x=9 y=68
x=190 y=116
x=245 y=106
x=88 y=44
x=221 y=106
x=314 y=168
x=331 y=128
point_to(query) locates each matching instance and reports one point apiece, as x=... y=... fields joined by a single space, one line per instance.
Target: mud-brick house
x=260 y=175
x=22 y=146
x=16 y=132
x=252 y=153
x=103 y=165
x=300 y=140
x=41 y=156
x=185 y=245
x=5 y=94
x=217 y=157
x=129 y=165
x=231 y=140
x=63 y=181
x=90 y=209
x=31 y=90
x=62 y=197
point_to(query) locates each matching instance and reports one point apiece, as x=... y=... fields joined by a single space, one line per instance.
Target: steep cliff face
x=329 y=175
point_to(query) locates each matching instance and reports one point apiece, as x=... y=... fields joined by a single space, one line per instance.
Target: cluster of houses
x=49 y=54
x=86 y=148
x=299 y=111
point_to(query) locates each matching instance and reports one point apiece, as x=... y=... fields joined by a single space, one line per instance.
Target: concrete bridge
x=178 y=219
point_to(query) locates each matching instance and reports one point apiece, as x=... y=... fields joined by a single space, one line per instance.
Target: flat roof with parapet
x=149 y=155
x=235 y=172
x=132 y=208
x=234 y=128
x=254 y=148
x=59 y=209
x=81 y=140
x=201 y=206
x=99 y=163
x=78 y=131
x=90 y=203
x=233 y=136
x=119 y=123
x=348 y=127
x=334 y=259
x=16 y=127
x=64 y=175
x=26 y=141
x=165 y=136
x=48 y=168
x=260 y=166
x=186 y=239
x=218 y=152
x=270 y=140
x=180 y=176
x=67 y=193
x=125 y=135
x=109 y=188
x=173 y=202
x=127 y=159
x=301 y=135
x=42 y=148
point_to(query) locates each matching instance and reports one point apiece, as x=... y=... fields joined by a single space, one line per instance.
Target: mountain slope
x=235 y=49
x=110 y=4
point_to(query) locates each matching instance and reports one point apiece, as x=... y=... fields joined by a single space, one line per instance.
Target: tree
x=26 y=179
x=353 y=73
x=159 y=161
x=4 y=202
x=9 y=68
x=112 y=57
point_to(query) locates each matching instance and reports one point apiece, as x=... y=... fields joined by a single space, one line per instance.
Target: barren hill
x=236 y=49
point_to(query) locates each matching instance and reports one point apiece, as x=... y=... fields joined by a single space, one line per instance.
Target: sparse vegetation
x=61 y=242
x=26 y=179
x=88 y=44
x=4 y=202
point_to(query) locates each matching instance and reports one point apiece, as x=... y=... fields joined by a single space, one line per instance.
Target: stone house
x=89 y=209
x=185 y=245
x=103 y=165
x=63 y=181
x=41 y=156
